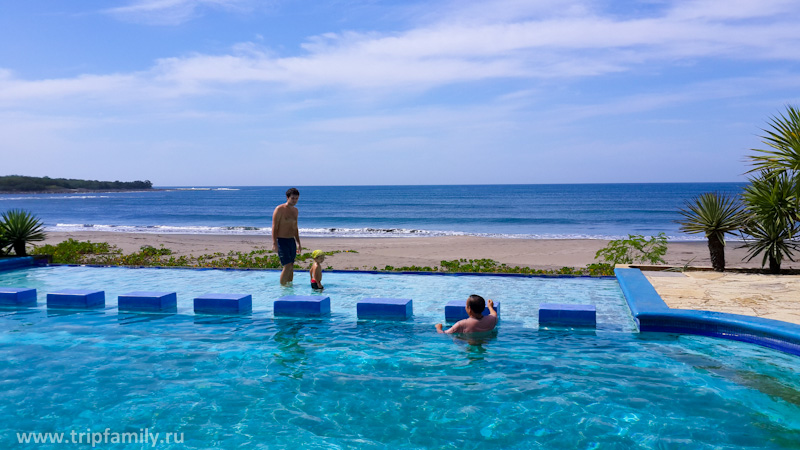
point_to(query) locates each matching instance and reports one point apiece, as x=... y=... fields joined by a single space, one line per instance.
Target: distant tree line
x=18 y=183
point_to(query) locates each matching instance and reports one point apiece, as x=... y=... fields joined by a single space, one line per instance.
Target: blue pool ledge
x=652 y=314
x=16 y=263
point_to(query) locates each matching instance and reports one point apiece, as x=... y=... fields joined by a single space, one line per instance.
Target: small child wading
x=476 y=322
x=316 y=269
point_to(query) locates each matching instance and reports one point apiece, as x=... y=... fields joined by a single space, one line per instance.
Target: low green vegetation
x=492 y=266
x=72 y=251
x=102 y=253
x=17 y=228
x=19 y=183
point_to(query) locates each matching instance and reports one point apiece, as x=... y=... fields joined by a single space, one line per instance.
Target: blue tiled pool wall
x=16 y=263
x=652 y=314
x=520 y=295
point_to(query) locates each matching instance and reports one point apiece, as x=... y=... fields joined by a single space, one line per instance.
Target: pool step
x=454 y=310
x=148 y=301
x=76 y=298
x=223 y=304
x=385 y=308
x=302 y=305
x=566 y=315
x=17 y=296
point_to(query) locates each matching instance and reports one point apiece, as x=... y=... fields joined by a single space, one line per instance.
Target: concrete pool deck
x=774 y=297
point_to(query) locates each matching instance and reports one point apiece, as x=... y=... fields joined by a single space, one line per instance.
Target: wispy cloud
x=172 y=12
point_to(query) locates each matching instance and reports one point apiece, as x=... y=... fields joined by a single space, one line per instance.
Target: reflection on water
x=250 y=381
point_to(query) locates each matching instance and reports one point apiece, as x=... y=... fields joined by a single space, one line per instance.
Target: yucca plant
x=19 y=227
x=771 y=225
x=783 y=157
x=713 y=214
x=4 y=243
x=773 y=240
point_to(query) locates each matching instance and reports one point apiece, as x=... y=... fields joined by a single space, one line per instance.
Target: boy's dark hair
x=291 y=192
x=476 y=304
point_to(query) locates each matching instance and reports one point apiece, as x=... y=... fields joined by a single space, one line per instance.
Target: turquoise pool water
x=259 y=382
x=519 y=296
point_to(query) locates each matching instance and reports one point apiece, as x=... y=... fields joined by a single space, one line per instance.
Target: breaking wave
x=366 y=232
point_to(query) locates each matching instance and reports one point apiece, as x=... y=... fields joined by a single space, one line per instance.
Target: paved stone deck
x=769 y=296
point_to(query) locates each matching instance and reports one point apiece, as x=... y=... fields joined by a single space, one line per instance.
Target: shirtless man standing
x=285 y=233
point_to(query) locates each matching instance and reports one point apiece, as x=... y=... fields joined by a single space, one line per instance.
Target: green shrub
x=74 y=252
x=634 y=249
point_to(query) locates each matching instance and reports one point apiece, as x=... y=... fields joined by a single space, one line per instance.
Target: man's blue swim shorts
x=287 y=250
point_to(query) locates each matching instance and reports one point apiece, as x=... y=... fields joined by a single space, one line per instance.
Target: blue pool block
x=554 y=314
x=148 y=301
x=223 y=304
x=454 y=310
x=384 y=308
x=302 y=305
x=76 y=298
x=17 y=296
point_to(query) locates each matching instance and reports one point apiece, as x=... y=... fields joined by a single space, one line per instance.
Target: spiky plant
x=713 y=214
x=771 y=239
x=783 y=136
x=20 y=227
x=771 y=225
x=4 y=243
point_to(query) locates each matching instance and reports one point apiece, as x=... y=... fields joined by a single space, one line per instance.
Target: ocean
x=538 y=211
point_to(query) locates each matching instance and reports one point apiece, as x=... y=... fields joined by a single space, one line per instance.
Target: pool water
x=261 y=382
x=519 y=296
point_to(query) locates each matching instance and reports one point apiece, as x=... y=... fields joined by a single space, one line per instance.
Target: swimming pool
x=519 y=296
x=260 y=382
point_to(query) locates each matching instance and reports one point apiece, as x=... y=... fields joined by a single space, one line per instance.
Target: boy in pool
x=476 y=322
x=316 y=269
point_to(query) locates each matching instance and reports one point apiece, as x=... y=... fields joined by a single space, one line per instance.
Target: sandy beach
x=424 y=251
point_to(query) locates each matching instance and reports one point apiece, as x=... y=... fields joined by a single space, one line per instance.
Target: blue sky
x=245 y=92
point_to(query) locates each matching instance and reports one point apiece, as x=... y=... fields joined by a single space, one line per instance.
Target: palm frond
x=772 y=239
x=771 y=224
x=20 y=227
x=713 y=214
x=771 y=195
x=783 y=137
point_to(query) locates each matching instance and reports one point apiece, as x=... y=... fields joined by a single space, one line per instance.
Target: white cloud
x=527 y=41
